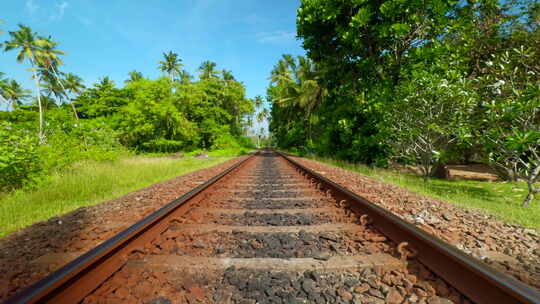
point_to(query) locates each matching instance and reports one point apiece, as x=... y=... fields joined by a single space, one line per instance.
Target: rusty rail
x=476 y=280
x=473 y=278
x=75 y=280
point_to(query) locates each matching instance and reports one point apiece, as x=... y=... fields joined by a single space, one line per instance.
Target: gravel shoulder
x=37 y=250
x=507 y=247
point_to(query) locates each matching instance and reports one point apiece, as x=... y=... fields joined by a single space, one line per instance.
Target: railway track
x=268 y=230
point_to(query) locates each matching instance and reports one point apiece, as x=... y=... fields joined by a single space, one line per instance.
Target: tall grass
x=88 y=183
x=502 y=199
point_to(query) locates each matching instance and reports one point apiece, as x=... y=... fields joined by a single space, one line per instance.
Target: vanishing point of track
x=268 y=230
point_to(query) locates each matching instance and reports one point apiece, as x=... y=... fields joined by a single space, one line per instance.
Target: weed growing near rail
x=89 y=183
x=501 y=199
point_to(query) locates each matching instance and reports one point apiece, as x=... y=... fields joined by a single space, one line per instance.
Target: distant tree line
x=418 y=82
x=63 y=121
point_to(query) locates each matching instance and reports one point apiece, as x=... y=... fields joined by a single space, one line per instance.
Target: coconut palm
x=185 y=77
x=13 y=93
x=73 y=85
x=298 y=86
x=171 y=64
x=3 y=83
x=134 y=76
x=227 y=75
x=207 y=70
x=49 y=61
x=51 y=85
x=262 y=115
x=29 y=45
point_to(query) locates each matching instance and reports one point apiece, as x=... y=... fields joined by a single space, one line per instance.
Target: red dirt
x=507 y=247
x=84 y=228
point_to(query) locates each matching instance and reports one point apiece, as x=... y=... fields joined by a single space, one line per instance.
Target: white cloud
x=62 y=8
x=59 y=10
x=276 y=37
x=31 y=6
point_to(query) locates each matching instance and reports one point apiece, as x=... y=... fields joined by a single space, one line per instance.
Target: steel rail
x=78 y=278
x=475 y=279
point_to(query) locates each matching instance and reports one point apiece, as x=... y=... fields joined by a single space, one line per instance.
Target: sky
x=114 y=37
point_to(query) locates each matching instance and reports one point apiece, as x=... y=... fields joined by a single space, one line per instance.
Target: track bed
x=265 y=232
x=269 y=236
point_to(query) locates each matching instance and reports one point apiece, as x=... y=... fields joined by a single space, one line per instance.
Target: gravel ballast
x=507 y=247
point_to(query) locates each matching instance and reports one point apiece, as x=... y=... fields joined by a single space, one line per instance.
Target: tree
x=3 y=83
x=151 y=121
x=134 y=76
x=171 y=64
x=207 y=70
x=29 y=45
x=49 y=62
x=14 y=93
x=368 y=40
x=51 y=85
x=429 y=115
x=510 y=125
x=102 y=100
x=227 y=75
x=295 y=87
x=185 y=77
x=73 y=85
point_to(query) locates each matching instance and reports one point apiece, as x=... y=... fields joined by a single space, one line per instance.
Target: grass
x=89 y=183
x=502 y=199
x=222 y=152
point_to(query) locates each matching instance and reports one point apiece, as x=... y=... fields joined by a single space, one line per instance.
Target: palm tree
x=172 y=65
x=298 y=86
x=227 y=75
x=262 y=115
x=29 y=45
x=51 y=85
x=185 y=77
x=134 y=76
x=207 y=70
x=3 y=83
x=104 y=82
x=73 y=84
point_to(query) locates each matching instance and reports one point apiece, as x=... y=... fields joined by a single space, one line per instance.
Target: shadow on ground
x=35 y=251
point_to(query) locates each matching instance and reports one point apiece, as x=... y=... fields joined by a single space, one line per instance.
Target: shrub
x=19 y=159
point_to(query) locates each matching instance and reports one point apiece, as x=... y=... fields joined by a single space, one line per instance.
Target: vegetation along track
x=270 y=231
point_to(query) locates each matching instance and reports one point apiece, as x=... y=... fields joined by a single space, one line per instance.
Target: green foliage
x=368 y=40
x=151 y=121
x=431 y=113
x=510 y=128
x=422 y=82
x=104 y=99
x=67 y=141
x=19 y=158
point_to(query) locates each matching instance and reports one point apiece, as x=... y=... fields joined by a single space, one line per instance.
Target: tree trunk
x=533 y=177
x=530 y=195
x=65 y=92
x=40 y=133
x=74 y=110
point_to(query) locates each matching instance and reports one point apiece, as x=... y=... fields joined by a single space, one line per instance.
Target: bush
x=19 y=158
x=24 y=162
x=227 y=141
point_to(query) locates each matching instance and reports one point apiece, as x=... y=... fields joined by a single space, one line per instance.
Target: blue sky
x=112 y=38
